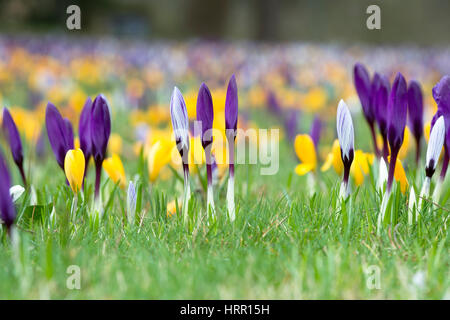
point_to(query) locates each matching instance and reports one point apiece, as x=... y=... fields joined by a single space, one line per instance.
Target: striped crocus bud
x=381 y=102
x=345 y=135
x=7 y=210
x=205 y=115
x=59 y=133
x=180 y=125
x=397 y=110
x=131 y=203
x=231 y=118
x=435 y=143
x=15 y=143
x=415 y=113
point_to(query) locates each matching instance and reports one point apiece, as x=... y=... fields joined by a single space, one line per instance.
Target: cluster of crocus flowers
x=345 y=133
x=15 y=143
x=180 y=124
x=7 y=209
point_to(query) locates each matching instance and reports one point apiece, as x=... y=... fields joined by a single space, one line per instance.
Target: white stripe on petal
x=436 y=142
x=344 y=126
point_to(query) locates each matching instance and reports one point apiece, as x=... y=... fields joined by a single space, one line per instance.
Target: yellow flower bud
x=114 y=168
x=74 y=164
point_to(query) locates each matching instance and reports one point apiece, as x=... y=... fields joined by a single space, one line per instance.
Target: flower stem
x=374 y=139
x=187 y=192
x=98 y=175
x=392 y=163
x=22 y=174
x=210 y=195
x=230 y=191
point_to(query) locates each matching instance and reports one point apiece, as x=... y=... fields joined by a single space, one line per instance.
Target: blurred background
x=421 y=22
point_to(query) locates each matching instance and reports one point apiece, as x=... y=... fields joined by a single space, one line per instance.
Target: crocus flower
x=381 y=102
x=74 y=164
x=436 y=141
x=100 y=127
x=441 y=94
x=231 y=117
x=291 y=124
x=59 y=133
x=84 y=131
x=334 y=159
x=397 y=110
x=131 y=203
x=315 y=131
x=415 y=113
x=346 y=138
x=114 y=168
x=7 y=210
x=205 y=115
x=306 y=152
x=158 y=156
x=363 y=87
x=15 y=144
x=180 y=125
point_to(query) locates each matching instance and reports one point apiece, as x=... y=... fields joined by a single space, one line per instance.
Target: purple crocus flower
x=40 y=145
x=7 y=210
x=273 y=105
x=381 y=102
x=60 y=134
x=84 y=131
x=441 y=94
x=100 y=127
x=315 y=131
x=415 y=113
x=231 y=118
x=397 y=110
x=15 y=144
x=291 y=124
x=363 y=87
x=205 y=115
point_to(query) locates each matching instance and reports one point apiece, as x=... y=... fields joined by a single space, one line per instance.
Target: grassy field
x=284 y=244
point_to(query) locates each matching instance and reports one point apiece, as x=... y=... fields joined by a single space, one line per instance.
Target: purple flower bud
x=100 y=127
x=291 y=124
x=205 y=114
x=363 y=86
x=84 y=130
x=59 y=133
x=415 y=112
x=397 y=110
x=7 y=210
x=231 y=109
x=15 y=144
x=315 y=131
x=380 y=107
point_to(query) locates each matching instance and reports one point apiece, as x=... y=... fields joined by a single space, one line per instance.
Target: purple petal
x=13 y=136
x=315 y=131
x=231 y=105
x=100 y=128
x=415 y=109
x=84 y=131
x=397 y=110
x=381 y=102
x=57 y=130
x=363 y=85
x=7 y=210
x=205 y=113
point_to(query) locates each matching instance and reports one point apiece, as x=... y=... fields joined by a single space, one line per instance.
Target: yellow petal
x=115 y=143
x=305 y=150
x=328 y=163
x=159 y=155
x=426 y=130
x=303 y=168
x=74 y=164
x=114 y=168
x=405 y=146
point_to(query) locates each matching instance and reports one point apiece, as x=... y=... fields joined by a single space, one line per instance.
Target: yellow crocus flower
x=159 y=155
x=115 y=143
x=74 y=164
x=114 y=168
x=334 y=158
x=360 y=166
x=171 y=209
x=405 y=146
x=426 y=130
x=306 y=152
